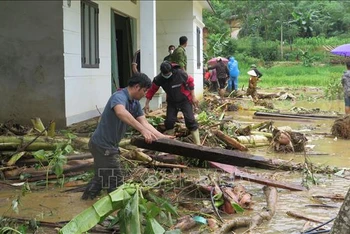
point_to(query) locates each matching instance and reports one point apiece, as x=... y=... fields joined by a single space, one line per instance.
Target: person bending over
x=179 y=88
x=122 y=109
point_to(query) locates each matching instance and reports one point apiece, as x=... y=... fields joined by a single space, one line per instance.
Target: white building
x=61 y=60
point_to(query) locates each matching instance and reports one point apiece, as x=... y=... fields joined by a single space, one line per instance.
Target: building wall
x=170 y=28
x=31 y=61
x=88 y=89
x=198 y=71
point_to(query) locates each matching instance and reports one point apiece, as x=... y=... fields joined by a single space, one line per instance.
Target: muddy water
x=53 y=206
x=324 y=150
x=48 y=205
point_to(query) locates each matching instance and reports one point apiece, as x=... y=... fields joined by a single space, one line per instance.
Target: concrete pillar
x=148 y=37
x=148 y=47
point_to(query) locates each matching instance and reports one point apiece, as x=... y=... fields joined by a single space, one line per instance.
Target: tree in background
x=271 y=21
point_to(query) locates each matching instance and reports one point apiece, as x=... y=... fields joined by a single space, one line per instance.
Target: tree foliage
x=275 y=21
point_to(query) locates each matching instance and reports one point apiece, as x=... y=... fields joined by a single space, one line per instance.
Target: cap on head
x=218 y=59
x=252 y=73
x=165 y=67
x=253 y=66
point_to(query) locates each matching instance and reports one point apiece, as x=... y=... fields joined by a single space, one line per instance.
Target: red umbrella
x=213 y=61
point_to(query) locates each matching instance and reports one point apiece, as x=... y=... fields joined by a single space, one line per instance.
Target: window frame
x=95 y=46
x=198 y=34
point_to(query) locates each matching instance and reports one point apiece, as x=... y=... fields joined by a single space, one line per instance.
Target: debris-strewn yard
x=175 y=186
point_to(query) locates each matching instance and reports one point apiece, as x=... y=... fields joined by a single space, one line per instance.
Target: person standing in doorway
x=122 y=109
x=345 y=81
x=179 y=56
x=179 y=87
x=136 y=62
x=171 y=49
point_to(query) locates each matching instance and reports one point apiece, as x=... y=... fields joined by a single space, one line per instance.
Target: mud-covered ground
x=54 y=205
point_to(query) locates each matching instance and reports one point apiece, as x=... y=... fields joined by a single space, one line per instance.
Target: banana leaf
x=87 y=219
x=128 y=200
x=153 y=227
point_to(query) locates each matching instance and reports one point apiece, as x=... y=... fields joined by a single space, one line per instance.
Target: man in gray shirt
x=122 y=109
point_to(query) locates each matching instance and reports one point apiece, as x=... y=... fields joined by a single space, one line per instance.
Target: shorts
x=347 y=101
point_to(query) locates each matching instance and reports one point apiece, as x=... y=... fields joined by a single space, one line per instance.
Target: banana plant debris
x=160 y=187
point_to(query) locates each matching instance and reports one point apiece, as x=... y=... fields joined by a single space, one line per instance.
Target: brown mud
x=52 y=205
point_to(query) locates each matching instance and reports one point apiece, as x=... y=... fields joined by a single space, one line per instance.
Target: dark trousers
x=186 y=108
x=108 y=173
x=214 y=86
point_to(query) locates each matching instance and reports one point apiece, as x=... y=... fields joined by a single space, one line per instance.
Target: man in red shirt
x=179 y=87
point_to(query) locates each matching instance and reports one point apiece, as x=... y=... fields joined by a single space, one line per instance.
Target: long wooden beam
x=238 y=174
x=298 y=116
x=230 y=157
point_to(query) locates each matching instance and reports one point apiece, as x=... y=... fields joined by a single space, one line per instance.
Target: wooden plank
x=299 y=116
x=238 y=174
x=271 y=118
x=219 y=155
x=230 y=157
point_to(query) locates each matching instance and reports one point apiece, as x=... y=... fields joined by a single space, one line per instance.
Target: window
x=198 y=48
x=89 y=34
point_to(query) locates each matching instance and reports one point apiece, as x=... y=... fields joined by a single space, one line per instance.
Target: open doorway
x=121 y=50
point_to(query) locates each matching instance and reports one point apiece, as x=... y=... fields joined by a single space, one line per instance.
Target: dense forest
x=276 y=30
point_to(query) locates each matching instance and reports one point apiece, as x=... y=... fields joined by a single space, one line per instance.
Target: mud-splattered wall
x=31 y=61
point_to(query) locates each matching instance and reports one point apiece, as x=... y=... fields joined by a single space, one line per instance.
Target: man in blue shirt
x=122 y=109
x=234 y=73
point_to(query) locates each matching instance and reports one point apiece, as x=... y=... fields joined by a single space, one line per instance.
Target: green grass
x=294 y=75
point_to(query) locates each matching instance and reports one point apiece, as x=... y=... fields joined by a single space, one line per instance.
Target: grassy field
x=294 y=75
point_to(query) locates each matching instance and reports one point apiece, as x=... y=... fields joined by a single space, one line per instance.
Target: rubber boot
x=196 y=138
x=92 y=190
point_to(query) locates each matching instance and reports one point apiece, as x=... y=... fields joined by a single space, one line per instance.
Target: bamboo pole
x=45 y=143
x=258 y=133
x=253 y=139
x=230 y=141
x=38 y=125
x=51 y=132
